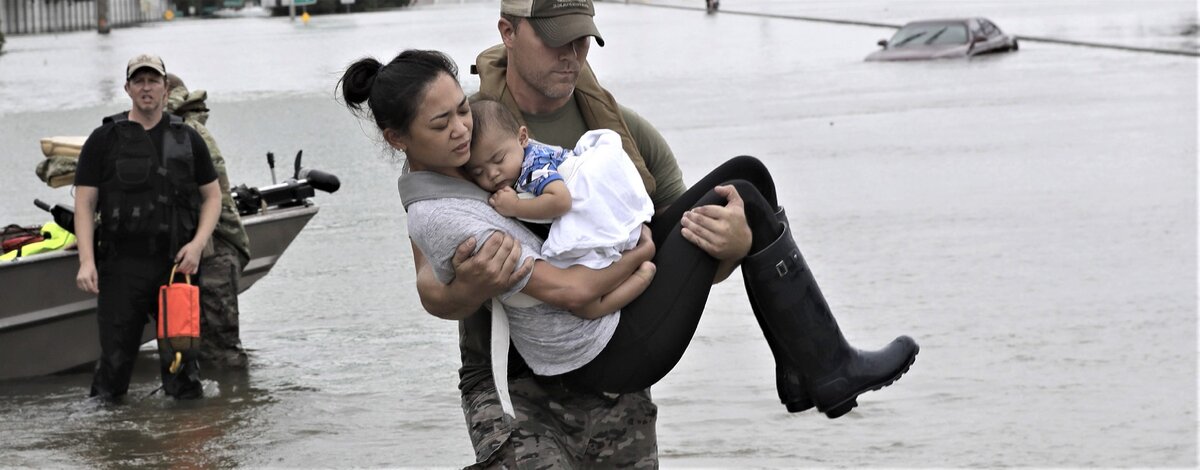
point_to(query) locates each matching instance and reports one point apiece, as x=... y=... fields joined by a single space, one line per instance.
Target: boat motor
x=293 y=191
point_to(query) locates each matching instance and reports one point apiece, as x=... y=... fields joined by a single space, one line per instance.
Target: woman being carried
x=419 y=107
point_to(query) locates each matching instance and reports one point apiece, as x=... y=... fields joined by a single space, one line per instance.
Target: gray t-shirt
x=552 y=340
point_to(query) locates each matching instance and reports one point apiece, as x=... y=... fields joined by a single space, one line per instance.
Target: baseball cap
x=145 y=61
x=557 y=22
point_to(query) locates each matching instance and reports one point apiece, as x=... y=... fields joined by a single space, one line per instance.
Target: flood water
x=1029 y=218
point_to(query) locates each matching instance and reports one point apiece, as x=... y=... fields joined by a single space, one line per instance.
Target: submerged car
x=944 y=39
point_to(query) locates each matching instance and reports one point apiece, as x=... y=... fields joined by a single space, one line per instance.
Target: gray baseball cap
x=557 y=22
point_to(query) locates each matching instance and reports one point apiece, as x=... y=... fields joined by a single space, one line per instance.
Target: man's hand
x=490 y=272
x=87 y=279
x=188 y=257
x=504 y=200
x=721 y=231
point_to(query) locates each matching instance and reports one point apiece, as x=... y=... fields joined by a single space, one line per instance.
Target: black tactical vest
x=148 y=198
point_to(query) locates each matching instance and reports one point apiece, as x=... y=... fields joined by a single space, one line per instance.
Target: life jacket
x=148 y=197
x=597 y=105
x=53 y=237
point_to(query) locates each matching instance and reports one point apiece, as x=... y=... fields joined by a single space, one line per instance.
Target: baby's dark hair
x=487 y=114
x=393 y=91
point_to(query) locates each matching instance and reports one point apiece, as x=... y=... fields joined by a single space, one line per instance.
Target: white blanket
x=609 y=204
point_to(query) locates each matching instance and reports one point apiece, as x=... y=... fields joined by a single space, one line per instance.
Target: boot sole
x=840 y=408
x=799 y=405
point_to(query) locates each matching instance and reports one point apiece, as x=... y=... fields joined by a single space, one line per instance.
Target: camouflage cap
x=142 y=61
x=557 y=22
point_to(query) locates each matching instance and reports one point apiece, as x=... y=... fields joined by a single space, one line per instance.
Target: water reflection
x=144 y=429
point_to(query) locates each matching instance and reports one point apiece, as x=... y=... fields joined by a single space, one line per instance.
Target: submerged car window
x=990 y=29
x=928 y=34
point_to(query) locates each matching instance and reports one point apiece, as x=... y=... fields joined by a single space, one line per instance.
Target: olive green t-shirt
x=566 y=125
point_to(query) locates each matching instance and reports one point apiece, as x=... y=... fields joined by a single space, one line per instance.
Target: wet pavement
x=1030 y=218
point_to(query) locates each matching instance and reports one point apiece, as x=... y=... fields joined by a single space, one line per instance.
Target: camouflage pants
x=220 y=344
x=557 y=428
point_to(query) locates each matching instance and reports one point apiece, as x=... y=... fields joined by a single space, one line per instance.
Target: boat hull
x=48 y=325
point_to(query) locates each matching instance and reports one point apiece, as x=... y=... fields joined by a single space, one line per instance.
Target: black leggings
x=657 y=327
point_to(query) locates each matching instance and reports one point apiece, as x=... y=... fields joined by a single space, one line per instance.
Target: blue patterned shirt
x=540 y=167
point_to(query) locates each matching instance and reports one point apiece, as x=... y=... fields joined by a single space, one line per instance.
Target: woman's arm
x=630 y=289
x=574 y=288
x=477 y=277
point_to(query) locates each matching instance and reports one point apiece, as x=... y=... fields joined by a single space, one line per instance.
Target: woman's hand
x=477 y=277
x=493 y=270
x=645 y=249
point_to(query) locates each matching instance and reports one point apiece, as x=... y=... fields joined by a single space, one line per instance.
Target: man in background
x=227 y=252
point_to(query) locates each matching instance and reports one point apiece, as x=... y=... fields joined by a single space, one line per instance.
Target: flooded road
x=1029 y=218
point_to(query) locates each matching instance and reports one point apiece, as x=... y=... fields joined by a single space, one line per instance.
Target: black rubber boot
x=788 y=382
x=803 y=333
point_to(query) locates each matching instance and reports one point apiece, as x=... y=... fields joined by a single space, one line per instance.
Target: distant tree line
x=331 y=6
x=207 y=7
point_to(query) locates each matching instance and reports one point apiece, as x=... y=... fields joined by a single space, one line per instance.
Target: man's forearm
x=210 y=211
x=84 y=234
x=85 y=223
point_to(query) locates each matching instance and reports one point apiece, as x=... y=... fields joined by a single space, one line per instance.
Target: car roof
x=943 y=21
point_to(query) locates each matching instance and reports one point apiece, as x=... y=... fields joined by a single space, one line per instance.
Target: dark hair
x=393 y=91
x=487 y=114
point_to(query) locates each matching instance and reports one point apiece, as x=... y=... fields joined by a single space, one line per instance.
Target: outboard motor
x=291 y=192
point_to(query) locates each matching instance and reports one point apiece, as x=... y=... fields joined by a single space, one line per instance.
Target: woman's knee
x=749 y=163
x=753 y=170
x=751 y=194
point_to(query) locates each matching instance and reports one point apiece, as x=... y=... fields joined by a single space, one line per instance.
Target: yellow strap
x=178 y=361
x=186 y=277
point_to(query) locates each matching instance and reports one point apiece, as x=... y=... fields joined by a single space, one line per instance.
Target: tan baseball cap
x=145 y=61
x=557 y=22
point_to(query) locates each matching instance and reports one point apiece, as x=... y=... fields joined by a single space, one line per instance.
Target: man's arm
x=554 y=201
x=85 y=225
x=189 y=256
x=477 y=278
x=659 y=158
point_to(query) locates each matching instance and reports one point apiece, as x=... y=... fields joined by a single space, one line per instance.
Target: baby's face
x=496 y=158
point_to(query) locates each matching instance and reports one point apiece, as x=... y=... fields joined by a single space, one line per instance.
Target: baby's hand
x=504 y=200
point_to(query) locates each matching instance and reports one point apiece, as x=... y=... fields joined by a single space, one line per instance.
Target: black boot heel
x=845 y=407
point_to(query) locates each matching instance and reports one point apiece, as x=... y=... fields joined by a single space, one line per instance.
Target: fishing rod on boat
x=291 y=192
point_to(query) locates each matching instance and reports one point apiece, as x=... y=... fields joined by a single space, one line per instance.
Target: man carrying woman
x=729 y=218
